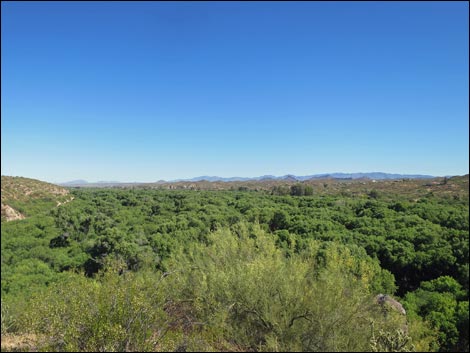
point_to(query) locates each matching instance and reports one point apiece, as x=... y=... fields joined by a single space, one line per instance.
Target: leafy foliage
x=318 y=300
x=111 y=313
x=443 y=303
x=414 y=248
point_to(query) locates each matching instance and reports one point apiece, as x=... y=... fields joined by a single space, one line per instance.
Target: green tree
x=280 y=220
x=437 y=301
x=297 y=190
x=246 y=288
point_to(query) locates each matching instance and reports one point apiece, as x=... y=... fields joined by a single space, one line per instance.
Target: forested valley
x=282 y=268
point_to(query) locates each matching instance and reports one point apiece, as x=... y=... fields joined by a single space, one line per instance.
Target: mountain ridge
x=291 y=177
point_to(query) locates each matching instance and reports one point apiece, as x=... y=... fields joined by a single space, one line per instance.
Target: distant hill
x=24 y=197
x=214 y=178
x=372 y=176
x=288 y=177
x=74 y=182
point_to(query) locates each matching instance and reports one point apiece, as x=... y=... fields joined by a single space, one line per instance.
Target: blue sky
x=142 y=91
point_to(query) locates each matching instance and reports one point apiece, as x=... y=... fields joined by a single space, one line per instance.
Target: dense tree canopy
x=415 y=249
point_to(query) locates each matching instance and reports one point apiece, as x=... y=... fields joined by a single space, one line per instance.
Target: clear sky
x=142 y=91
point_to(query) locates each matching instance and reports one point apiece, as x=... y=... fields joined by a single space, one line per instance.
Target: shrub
x=244 y=287
x=111 y=313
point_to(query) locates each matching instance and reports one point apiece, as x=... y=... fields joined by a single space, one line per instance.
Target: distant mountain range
x=74 y=182
x=84 y=182
x=288 y=177
x=373 y=175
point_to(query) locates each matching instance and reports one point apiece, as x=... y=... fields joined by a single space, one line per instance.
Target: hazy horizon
x=112 y=180
x=147 y=91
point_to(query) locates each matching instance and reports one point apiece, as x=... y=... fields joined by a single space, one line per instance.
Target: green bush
x=111 y=313
x=244 y=287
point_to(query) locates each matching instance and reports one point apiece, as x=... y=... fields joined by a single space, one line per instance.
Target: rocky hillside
x=24 y=197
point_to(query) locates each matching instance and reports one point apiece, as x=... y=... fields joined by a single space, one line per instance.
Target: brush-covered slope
x=24 y=197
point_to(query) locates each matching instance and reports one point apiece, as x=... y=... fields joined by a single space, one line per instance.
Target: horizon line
x=254 y=177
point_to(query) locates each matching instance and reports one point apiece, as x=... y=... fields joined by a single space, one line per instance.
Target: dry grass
x=19 y=343
x=19 y=188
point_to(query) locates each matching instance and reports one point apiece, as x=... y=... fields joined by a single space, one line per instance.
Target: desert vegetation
x=24 y=197
x=289 y=267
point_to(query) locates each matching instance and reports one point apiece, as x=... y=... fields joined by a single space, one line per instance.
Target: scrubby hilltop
x=24 y=197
